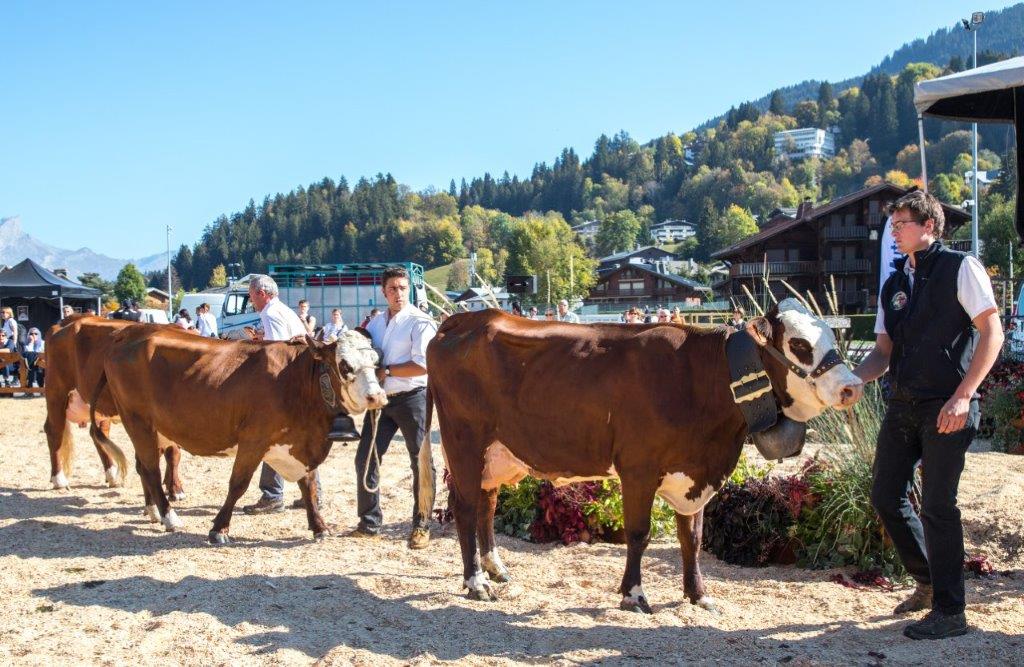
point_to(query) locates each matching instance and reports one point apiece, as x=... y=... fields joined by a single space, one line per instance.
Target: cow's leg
x=58 y=438
x=637 y=500
x=172 y=482
x=110 y=471
x=688 y=530
x=490 y=560
x=308 y=487
x=147 y=462
x=151 y=511
x=465 y=501
x=242 y=471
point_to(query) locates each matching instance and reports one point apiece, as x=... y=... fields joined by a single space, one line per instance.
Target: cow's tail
x=100 y=438
x=426 y=490
x=66 y=453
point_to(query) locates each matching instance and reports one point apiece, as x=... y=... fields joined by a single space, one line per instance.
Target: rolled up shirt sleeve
x=974 y=288
x=422 y=333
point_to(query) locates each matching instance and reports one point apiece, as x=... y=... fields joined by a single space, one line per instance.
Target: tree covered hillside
x=722 y=178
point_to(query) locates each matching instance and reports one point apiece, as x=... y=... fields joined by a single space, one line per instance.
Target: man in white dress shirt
x=206 y=323
x=279 y=322
x=401 y=333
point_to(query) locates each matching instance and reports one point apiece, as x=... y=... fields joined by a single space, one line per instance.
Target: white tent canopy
x=984 y=94
x=990 y=94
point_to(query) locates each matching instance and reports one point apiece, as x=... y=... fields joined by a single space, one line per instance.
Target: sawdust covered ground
x=84 y=579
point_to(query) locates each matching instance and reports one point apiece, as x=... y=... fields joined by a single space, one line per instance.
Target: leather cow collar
x=774 y=434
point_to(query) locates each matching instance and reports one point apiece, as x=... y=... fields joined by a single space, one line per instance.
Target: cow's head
x=806 y=342
x=351 y=362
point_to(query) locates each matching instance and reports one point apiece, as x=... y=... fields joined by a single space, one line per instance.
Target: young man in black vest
x=938 y=332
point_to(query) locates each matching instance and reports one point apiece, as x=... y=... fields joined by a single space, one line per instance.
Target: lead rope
x=374 y=417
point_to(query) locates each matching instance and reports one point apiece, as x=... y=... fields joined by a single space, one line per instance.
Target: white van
x=1015 y=336
x=231 y=308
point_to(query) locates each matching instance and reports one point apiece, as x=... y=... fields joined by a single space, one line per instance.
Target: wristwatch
x=387 y=370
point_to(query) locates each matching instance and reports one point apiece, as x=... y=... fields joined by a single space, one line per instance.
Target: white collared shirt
x=207 y=325
x=402 y=338
x=280 y=322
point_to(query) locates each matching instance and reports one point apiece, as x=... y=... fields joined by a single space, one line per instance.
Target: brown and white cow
x=75 y=351
x=649 y=404
x=257 y=401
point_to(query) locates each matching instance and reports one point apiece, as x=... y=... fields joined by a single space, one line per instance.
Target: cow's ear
x=364 y=332
x=314 y=345
x=760 y=329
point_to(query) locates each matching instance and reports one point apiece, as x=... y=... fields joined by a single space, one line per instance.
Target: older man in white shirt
x=279 y=322
x=401 y=333
x=206 y=323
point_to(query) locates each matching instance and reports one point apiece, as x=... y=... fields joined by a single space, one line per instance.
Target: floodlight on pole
x=977 y=18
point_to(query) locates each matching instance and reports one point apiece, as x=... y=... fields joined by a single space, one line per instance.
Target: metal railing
x=842 y=233
x=846 y=265
x=774 y=268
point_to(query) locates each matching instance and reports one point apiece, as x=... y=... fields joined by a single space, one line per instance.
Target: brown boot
x=920 y=599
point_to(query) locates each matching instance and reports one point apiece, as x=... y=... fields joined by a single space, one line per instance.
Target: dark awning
x=28 y=279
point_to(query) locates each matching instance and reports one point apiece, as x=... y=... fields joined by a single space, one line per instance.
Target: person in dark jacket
x=938 y=334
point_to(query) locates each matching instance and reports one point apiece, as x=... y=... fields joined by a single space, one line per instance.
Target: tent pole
x=924 y=162
x=99 y=306
x=60 y=308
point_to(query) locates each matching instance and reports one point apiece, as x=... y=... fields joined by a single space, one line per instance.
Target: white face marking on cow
x=828 y=389
x=279 y=458
x=172 y=522
x=360 y=389
x=60 y=481
x=111 y=475
x=674 y=489
x=153 y=514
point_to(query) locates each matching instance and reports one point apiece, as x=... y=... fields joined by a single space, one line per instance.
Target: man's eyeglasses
x=898 y=226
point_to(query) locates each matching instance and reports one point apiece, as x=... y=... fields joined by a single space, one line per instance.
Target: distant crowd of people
x=14 y=339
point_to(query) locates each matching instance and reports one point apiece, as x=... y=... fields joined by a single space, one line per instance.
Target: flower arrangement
x=1002 y=406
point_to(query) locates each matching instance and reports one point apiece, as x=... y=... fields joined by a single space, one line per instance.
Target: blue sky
x=119 y=118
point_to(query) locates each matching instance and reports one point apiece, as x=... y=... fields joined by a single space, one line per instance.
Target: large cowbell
x=774 y=434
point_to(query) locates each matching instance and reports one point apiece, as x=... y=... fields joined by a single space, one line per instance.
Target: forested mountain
x=722 y=177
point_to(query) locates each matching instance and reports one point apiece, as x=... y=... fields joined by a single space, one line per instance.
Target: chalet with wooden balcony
x=834 y=242
x=638 y=283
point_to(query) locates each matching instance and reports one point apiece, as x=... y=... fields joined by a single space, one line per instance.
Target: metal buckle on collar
x=751 y=392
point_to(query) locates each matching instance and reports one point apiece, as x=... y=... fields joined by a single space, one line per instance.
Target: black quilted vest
x=932 y=335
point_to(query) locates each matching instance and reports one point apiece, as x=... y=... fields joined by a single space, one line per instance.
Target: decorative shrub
x=1002 y=406
x=749 y=523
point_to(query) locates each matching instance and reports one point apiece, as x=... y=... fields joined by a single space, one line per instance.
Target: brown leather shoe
x=920 y=599
x=419 y=538
x=362 y=531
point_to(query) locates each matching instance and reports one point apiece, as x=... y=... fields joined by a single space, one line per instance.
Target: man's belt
x=401 y=394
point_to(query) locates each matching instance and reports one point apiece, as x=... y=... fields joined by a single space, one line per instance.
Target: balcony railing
x=774 y=268
x=842 y=233
x=963 y=245
x=846 y=265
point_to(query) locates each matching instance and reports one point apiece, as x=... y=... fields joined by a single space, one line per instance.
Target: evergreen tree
x=777 y=105
x=130 y=285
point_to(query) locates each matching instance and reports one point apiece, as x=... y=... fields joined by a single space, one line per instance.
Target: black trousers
x=932 y=546
x=407 y=413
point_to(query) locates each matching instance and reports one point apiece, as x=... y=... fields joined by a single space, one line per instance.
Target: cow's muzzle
x=786 y=438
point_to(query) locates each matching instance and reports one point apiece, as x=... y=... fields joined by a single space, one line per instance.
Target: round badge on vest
x=899 y=300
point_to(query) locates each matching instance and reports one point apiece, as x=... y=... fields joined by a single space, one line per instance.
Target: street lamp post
x=170 y=294
x=972 y=26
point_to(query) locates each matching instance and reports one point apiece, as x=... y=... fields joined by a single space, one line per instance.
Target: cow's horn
x=784 y=439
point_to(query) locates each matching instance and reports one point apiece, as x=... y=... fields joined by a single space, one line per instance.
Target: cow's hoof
x=113 y=481
x=171 y=522
x=709 y=604
x=322 y=535
x=60 y=482
x=636 y=605
x=499 y=576
x=152 y=513
x=176 y=496
x=218 y=539
x=479 y=588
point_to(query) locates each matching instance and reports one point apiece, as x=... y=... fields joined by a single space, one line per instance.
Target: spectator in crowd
x=549 y=315
x=663 y=315
x=738 y=321
x=373 y=313
x=517 y=308
x=9 y=372
x=184 y=320
x=534 y=314
x=67 y=311
x=634 y=316
x=134 y=314
x=401 y=333
x=10 y=326
x=308 y=321
x=334 y=328
x=677 y=316
x=566 y=315
x=206 y=323
x=33 y=347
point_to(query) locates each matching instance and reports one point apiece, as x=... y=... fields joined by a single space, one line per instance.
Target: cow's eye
x=802 y=350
